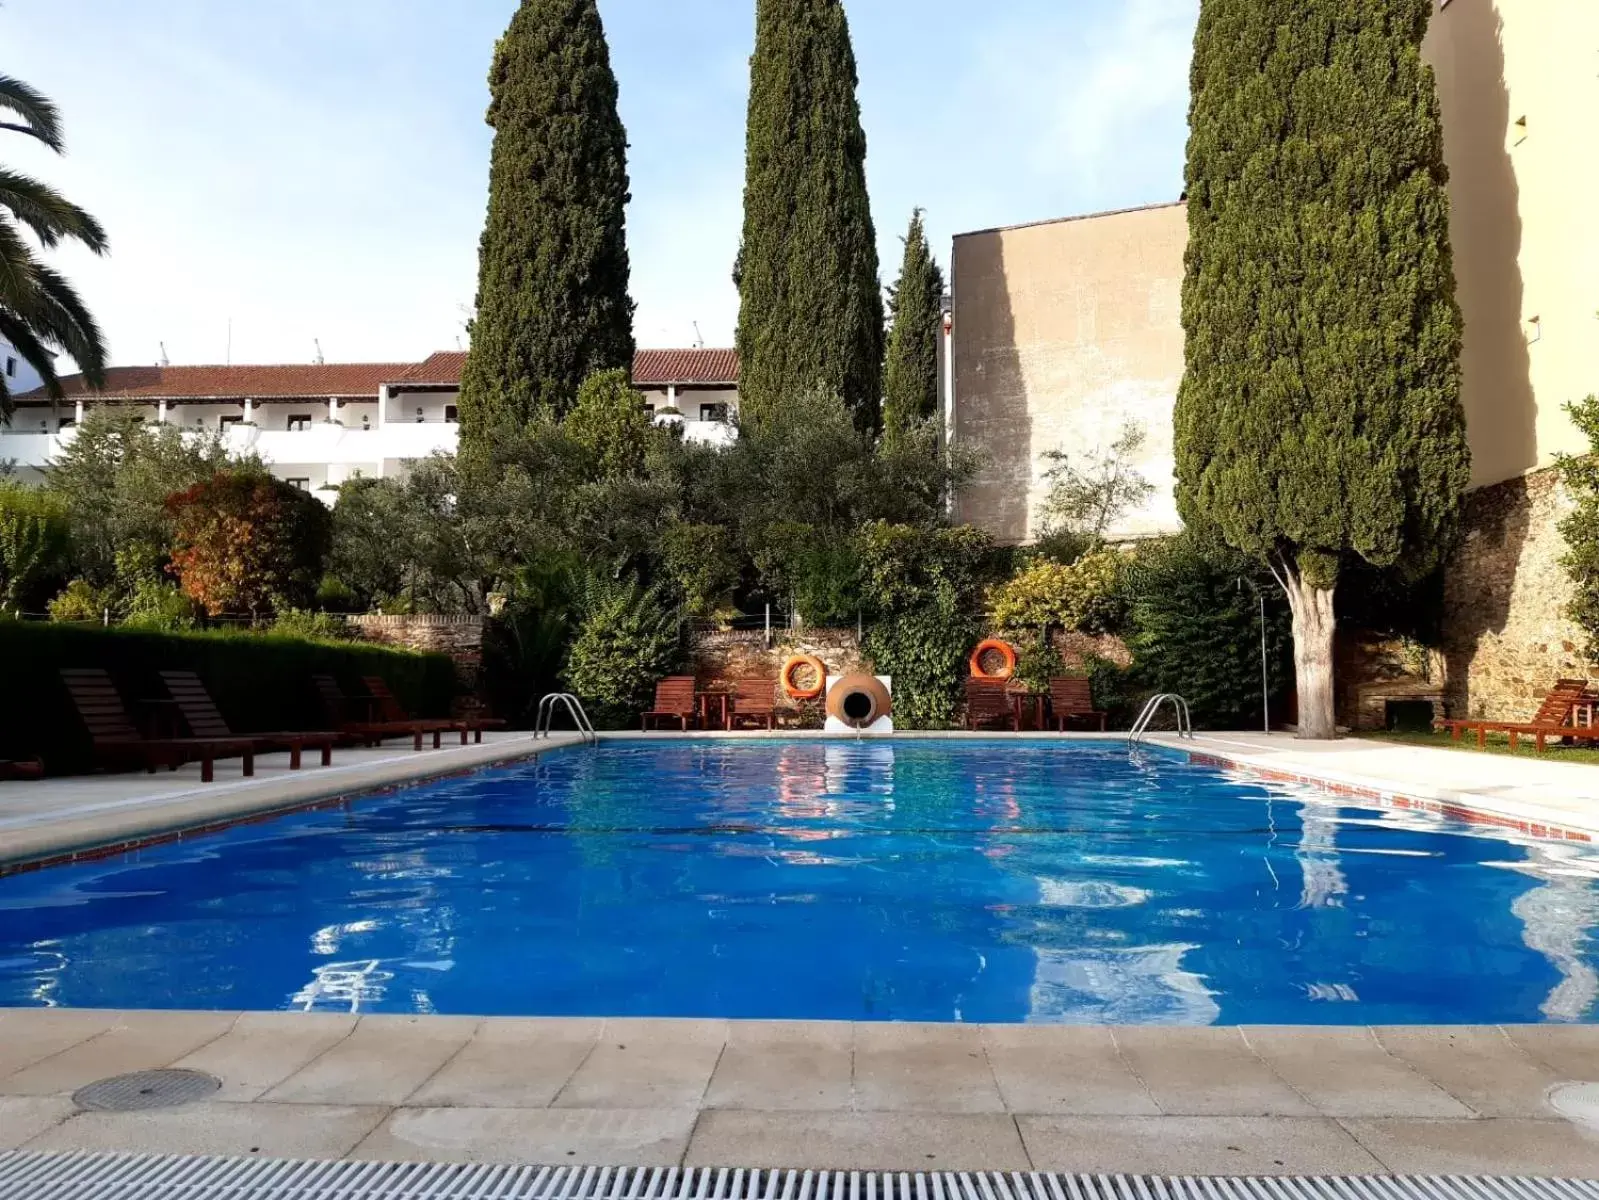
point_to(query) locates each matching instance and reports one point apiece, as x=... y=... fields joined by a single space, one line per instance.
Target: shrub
x=1195 y=630
x=245 y=542
x=35 y=544
x=79 y=601
x=158 y=606
x=1581 y=529
x=1037 y=661
x=628 y=640
x=701 y=564
x=1085 y=595
x=311 y=626
x=260 y=681
x=612 y=425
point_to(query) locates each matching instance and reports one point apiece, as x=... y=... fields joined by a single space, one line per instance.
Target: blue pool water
x=907 y=880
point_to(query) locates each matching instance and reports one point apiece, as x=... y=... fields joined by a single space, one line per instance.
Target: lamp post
x=1265 y=677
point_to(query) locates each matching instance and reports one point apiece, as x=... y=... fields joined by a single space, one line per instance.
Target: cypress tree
x=811 y=303
x=1319 y=421
x=916 y=302
x=552 y=303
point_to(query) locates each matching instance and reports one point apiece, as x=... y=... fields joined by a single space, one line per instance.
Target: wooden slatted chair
x=755 y=701
x=205 y=719
x=1071 y=698
x=674 y=701
x=367 y=732
x=1554 y=719
x=117 y=740
x=390 y=709
x=988 y=702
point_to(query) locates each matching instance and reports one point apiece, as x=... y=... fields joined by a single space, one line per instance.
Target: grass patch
x=1498 y=743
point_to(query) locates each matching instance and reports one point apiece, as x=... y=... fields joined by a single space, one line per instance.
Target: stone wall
x=721 y=656
x=1506 y=636
x=459 y=637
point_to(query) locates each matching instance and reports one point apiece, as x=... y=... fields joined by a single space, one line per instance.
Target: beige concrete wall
x=1524 y=224
x=1063 y=332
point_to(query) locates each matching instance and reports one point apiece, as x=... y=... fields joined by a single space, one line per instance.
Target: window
x=66 y=423
x=303 y=484
x=11 y=367
x=224 y=422
x=366 y=421
x=300 y=423
x=419 y=416
x=452 y=414
x=713 y=412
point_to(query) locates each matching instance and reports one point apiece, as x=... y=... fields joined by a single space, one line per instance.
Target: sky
x=278 y=173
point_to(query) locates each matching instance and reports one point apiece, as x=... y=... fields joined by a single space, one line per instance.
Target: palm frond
x=48 y=213
x=38 y=115
x=59 y=316
x=19 y=269
x=34 y=352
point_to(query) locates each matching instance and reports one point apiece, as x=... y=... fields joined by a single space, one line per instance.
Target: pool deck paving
x=897 y=1097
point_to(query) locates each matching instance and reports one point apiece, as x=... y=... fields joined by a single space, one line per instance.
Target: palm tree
x=40 y=313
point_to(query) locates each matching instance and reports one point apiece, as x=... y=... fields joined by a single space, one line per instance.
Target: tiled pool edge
x=75 y=838
x=1469 y=807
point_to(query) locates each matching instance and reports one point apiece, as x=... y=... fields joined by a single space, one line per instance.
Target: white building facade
x=318 y=425
x=16 y=371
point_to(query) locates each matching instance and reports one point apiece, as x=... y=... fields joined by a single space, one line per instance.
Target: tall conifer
x=1319 y=422
x=811 y=304
x=552 y=304
x=916 y=302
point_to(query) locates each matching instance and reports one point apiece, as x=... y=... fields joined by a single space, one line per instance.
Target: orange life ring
x=793 y=690
x=993 y=645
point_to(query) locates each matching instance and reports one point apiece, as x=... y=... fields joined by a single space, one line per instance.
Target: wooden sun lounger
x=371 y=733
x=388 y=709
x=988 y=703
x=1071 y=698
x=1549 y=722
x=755 y=700
x=674 y=701
x=117 y=739
x=205 y=719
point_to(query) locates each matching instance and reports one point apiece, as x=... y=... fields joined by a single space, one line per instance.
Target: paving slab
x=25 y=1117
x=29 y=1035
x=1195 y=1146
x=647 y=1064
x=551 y=1136
x=923 y=1068
x=261 y=1050
x=1479 y=1065
x=1346 y=1072
x=234 y=1130
x=785 y=1065
x=1207 y=1072
x=1571 y=1051
x=381 y=1062
x=1491 y=1146
x=1064 y=1069
x=140 y=1041
x=857 y=1141
x=511 y=1063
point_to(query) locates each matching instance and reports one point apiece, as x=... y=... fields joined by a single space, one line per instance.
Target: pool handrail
x=1185 y=720
x=574 y=707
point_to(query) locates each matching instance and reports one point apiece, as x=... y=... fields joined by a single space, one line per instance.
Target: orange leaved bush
x=248 y=544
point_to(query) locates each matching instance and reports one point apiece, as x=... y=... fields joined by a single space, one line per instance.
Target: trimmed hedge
x=260 y=681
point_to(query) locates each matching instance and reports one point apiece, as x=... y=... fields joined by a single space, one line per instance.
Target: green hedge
x=260 y=682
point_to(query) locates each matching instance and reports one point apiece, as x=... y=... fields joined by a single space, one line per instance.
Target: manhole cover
x=1578 y=1102
x=145 y=1089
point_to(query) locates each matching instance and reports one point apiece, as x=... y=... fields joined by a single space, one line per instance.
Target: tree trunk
x=1314 y=624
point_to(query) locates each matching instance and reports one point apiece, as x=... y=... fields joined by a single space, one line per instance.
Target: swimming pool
x=1000 y=881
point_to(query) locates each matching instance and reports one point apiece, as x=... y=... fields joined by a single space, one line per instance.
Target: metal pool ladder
x=1185 y=720
x=574 y=706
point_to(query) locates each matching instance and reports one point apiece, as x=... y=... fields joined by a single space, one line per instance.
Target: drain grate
x=145 y=1089
x=151 y=1177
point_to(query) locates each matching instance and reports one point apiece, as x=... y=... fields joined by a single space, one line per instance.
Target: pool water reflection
x=905 y=880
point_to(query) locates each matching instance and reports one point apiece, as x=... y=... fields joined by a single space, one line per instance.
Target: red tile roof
x=264 y=383
x=651 y=368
